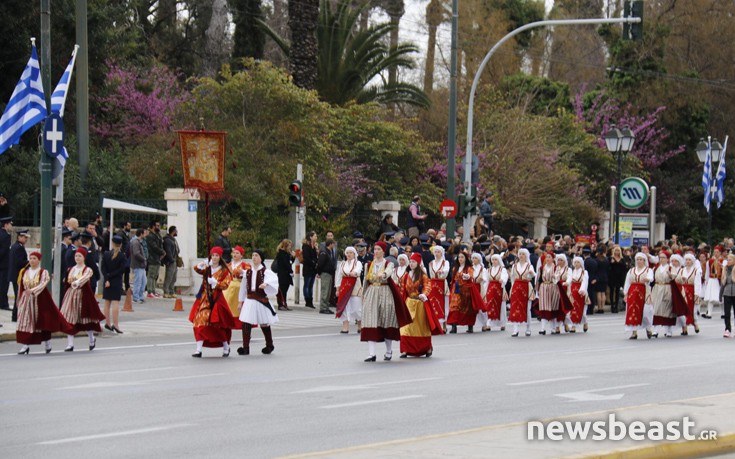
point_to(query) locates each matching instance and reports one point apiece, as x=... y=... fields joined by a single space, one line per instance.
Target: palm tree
x=302 y=20
x=352 y=62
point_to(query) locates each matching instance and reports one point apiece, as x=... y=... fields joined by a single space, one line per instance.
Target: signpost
x=448 y=208
x=633 y=192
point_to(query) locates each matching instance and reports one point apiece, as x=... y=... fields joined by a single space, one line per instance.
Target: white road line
x=353 y=387
x=371 y=402
x=103 y=373
x=105 y=385
x=541 y=381
x=114 y=434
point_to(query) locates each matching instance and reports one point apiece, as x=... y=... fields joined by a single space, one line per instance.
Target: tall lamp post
x=715 y=149
x=619 y=142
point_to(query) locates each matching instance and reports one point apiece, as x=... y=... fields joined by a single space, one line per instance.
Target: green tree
x=302 y=54
x=249 y=40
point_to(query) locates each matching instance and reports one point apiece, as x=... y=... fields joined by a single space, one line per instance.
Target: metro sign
x=448 y=208
x=633 y=192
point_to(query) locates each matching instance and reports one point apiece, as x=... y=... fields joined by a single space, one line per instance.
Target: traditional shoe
x=514 y=334
x=48 y=350
x=528 y=332
x=470 y=329
x=344 y=331
x=542 y=332
x=633 y=337
x=696 y=329
x=453 y=329
x=268 y=349
x=403 y=356
x=573 y=330
x=197 y=355
x=649 y=334
x=107 y=326
x=24 y=350
x=430 y=353
x=117 y=330
x=92 y=345
x=243 y=351
x=371 y=359
x=502 y=328
x=584 y=329
x=69 y=349
x=387 y=356
x=226 y=353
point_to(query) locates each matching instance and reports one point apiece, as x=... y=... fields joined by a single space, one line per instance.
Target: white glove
x=212 y=282
x=582 y=292
x=202 y=265
x=75 y=284
x=465 y=276
x=423 y=297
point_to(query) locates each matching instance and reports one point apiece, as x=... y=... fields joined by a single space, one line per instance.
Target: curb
x=678 y=450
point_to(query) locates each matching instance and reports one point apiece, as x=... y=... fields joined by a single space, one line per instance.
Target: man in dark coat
x=92 y=260
x=18 y=261
x=325 y=269
x=224 y=242
x=66 y=244
x=155 y=256
x=6 y=227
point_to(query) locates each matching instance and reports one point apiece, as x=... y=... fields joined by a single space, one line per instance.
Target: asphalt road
x=143 y=396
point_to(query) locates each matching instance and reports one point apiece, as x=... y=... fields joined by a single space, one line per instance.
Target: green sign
x=633 y=192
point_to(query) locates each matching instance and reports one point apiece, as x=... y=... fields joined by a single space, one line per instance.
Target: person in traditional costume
x=463 y=305
x=496 y=296
x=689 y=282
x=114 y=265
x=521 y=292
x=80 y=307
x=237 y=266
x=38 y=315
x=439 y=269
x=383 y=309
x=258 y=284
x=663 y=312
x=563 y=278
x=579 y=281
x=479 y=289
x=349 y=291
x=712 y=287
x=548 y=293
x=400 y=269
x=637 y=291
x=678 y=301
x=415 y=287
x=210 y=314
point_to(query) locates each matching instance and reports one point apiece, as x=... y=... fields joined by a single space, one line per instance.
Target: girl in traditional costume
x=210 y=314
x=439 y=269
x=80 y=307
x=237 y=266
x=462 y=308
x=562 y=277
x=579 y=280
x=712 y=287
x=663 y=312
x=479 y=289
x=637 y=291
x=548 y=293
x=349 y=291
x=496 y=296
x=38 y=315
x=258 y=284
x=689 y=281
x=521 y=292
x=415 y=287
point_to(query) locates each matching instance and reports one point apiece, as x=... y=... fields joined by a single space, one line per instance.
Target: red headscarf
x=83 y=251
x=217 y=250
x=416 y=257
x=239 y=249
x=36 y=254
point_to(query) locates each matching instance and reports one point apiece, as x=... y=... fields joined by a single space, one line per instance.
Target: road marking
x=359 y=386
x=540 y=381
x=371 y=402
x=100 y=385
x=592 y=395
x=113 y=434
x=600 y=349
x=103 y=373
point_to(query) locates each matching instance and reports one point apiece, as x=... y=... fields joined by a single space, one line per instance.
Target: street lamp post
x=619 y=142
x=715 y=149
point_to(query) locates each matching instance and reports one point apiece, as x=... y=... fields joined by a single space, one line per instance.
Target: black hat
x=424 y=237
x=403 y=241
x=5 y=220
x=560 y=251
x=66 y=232
x=446 y=244
x=586 y=249
x=75 y=236
x=23 y=232
x=485 y=245
x=361 y=244
x=117 y=239
x=389 y=234
x=357 y=235
x=531 y=247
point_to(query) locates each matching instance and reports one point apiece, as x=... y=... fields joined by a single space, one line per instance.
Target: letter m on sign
x=631 y=193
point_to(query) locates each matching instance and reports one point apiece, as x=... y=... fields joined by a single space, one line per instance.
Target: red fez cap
x=217 y=250
x=239 y=249
x=382 y=245
x=416 y=257
x=83 y=251
x=36 y=254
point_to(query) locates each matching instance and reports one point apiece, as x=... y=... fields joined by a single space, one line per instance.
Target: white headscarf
x=578 y=259
x=476 y=255
x=438 y=247
x=690 y=256
x=524 y=251
x=351 y=249
x=404 y=256
x=678 y=258
x=497 y=257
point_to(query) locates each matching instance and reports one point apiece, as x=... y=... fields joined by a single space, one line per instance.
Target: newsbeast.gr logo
x=612 y=429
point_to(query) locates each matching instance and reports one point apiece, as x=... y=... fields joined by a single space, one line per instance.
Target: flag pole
x=46 y=161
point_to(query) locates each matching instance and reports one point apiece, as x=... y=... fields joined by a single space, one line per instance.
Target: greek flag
x=706 y=184
x=720 y=178
x=27 y=106
x=58 y=98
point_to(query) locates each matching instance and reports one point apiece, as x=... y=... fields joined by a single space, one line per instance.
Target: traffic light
x=295 y=193
x=469 y=205
x=633 y=9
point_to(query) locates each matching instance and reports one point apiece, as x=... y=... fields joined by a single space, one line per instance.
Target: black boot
x=454 y=329
x=470 y=329
x=310 y=303
x=268 y=340
x=246 y=331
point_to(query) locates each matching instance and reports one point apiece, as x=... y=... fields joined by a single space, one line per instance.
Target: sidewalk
x=510 y=440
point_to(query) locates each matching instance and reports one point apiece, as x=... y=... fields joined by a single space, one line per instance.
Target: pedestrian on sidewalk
x=284 y=259
x=114 y=264
x=728 y=292
x=325 y=271
x=309 y=252
x=210 y=314
x=155 y=256
x=171 y=249
x=38 y=315
x=6 y=227
x=258 y=284
x=18 y=261
x=80 y=307
x=137 y=264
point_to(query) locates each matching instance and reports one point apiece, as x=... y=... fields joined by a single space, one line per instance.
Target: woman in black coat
x=284 y=271
x=618 y=271
x=309 y=254
x=603 y=273
x=114 y=264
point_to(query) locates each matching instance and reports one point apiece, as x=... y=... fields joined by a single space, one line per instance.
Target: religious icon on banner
x=203 y=157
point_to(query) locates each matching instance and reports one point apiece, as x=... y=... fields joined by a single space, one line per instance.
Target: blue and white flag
x=27 y=106
x=706 y=183
x=720 y=177
x=58 y=98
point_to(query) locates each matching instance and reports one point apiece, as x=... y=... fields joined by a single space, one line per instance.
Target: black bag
x=274 y=266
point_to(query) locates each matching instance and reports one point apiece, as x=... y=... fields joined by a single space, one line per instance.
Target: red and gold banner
x=203 y=158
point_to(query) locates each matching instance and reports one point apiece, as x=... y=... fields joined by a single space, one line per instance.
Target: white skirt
x=254 y=312
x=712 y=290
x=481 y=320
x=353 y=310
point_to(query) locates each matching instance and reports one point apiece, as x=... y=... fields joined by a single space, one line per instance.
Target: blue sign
x=193 y=206
x=53 y=135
